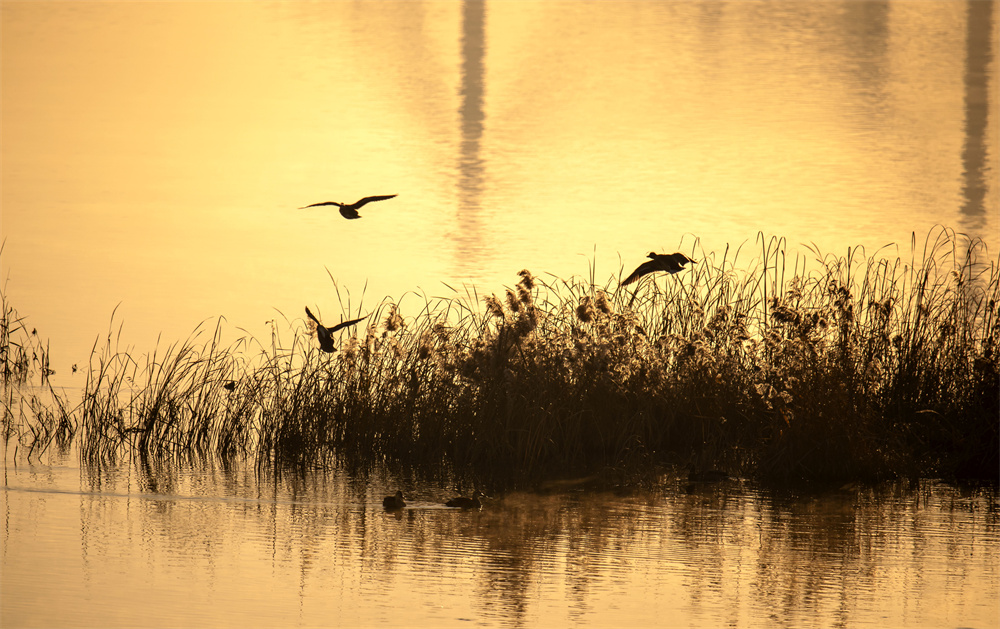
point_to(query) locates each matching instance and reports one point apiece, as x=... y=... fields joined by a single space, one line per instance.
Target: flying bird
x=669 y=262
x=325 y=334
x=350 y=210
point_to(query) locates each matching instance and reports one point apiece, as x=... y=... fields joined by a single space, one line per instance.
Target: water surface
x=155 y=153
x=180 y=545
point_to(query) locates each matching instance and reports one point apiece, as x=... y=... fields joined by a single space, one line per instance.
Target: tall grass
x=833 y=367
x=34 y=414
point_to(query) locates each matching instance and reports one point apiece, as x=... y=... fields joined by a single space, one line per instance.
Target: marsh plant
x=784 y=368
x=34 y=414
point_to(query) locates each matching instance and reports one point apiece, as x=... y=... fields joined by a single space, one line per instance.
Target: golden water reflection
x=155 y=153
x=167 y=545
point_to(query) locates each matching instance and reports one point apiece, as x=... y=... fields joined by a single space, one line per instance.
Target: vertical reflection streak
x=978 y=53
x=468 y=241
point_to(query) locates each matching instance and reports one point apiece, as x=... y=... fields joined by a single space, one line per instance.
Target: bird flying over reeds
x=669 y=262
x=325 y=334
x=350 y=210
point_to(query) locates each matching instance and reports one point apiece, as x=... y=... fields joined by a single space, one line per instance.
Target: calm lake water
x=147 y=545
x=155 y=155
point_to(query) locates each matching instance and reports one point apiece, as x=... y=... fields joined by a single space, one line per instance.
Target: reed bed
x=783 y=368
x=34 y=414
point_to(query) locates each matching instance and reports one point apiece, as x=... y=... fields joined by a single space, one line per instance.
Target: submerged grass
x=833 y=368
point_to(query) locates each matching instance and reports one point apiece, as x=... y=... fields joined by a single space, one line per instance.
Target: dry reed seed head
x=794 y=288
x=602 y=302
x=720 y=318
x=426 y=345
x=525 y=325
x=512 y=302
x=784 y=314
x=524 y=295
x=585 y=311
x=771 y=340
x=393 y=320
x=493 y=307
x=350 y=349
x=527 y=281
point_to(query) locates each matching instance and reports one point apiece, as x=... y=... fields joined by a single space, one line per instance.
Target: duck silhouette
x=394 y=502
x=669 y=262
x=325 y=334
x=466 y=503
x=350 y=210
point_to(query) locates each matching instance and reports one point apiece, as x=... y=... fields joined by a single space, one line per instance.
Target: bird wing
x=312 y=316
x=680 y=259
x=370 y=199
x=644 y=268
x=347 y=323
x=319 y=204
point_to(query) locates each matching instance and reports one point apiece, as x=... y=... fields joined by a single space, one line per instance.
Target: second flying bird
x=350 y=210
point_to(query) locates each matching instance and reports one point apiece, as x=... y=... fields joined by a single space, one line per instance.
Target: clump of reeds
x=34 y=415
x=841 y=367
x=195 y=397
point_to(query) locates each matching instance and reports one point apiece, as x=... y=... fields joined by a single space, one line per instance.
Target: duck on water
x=466 y=503
x=394 y=502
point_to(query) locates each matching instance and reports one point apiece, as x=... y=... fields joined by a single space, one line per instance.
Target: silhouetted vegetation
x=835 y=368
x=34 y=415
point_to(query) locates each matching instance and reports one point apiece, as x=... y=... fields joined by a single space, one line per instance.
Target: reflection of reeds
x=859 y=367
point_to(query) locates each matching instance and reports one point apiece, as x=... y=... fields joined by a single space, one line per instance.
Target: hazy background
x=155 y=153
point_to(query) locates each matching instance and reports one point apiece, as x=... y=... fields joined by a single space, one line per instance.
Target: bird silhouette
x=466 y=503
x=350 y=210
x=325 y=334
x=669 y=262
x=394 y=502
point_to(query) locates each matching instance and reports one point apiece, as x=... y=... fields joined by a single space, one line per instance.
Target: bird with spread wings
x=325 y=334
x=350 y=210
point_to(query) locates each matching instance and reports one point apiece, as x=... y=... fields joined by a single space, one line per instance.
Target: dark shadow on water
x=979 y=43
x=469 y=242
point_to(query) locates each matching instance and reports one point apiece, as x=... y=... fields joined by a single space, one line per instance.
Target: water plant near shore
x=840 y=368
x=34 y=414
